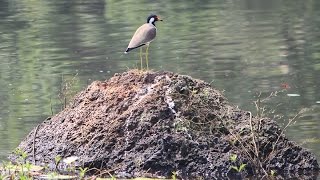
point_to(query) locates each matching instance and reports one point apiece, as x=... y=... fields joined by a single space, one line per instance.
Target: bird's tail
x=129 y=49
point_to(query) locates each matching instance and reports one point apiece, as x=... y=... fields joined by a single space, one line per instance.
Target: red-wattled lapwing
x=143 y=36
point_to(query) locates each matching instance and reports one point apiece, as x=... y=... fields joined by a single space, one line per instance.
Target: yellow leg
x=147 y=54
x=141 y=57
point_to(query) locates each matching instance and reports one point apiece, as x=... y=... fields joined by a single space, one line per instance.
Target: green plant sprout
x=240 y=168
x=57 y=160
x=233 y=157
x=272 y=173
x=174 y=175
x=82 y=172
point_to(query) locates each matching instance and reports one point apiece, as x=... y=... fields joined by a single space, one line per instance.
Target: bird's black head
x=153 y=18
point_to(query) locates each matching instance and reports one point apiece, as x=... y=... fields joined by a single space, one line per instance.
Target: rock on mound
x=155 y=123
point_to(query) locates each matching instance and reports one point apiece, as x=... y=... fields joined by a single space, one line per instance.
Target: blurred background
x=49 y=50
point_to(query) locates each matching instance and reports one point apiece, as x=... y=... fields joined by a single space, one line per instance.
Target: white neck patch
x=151 y=20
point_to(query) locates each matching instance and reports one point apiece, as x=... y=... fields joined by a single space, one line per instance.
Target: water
x=242 y=47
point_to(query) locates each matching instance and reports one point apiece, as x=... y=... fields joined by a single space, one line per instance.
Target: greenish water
x=243 y=47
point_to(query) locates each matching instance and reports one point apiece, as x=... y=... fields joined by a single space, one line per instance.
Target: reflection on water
x=243 y=47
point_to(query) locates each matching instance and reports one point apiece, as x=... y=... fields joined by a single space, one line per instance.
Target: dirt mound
x=155 y=123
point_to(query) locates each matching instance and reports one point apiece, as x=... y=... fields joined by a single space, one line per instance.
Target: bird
x=143 y=36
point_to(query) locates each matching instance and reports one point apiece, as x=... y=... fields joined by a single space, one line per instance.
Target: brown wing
x=144 y=34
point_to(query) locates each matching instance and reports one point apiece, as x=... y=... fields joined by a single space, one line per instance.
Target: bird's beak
x=159 y=19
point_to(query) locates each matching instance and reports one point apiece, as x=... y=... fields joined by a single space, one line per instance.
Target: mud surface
x=156 y=123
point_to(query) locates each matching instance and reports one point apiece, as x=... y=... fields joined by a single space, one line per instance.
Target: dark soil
x=155 y=123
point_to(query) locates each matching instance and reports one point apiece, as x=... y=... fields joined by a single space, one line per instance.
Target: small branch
x=290 y=121
x=253 y=137
x=34 y=142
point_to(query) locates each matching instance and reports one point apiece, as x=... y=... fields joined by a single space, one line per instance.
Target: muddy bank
x=156 y=123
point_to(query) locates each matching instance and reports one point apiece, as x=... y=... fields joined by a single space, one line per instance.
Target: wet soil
x=155 y=123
